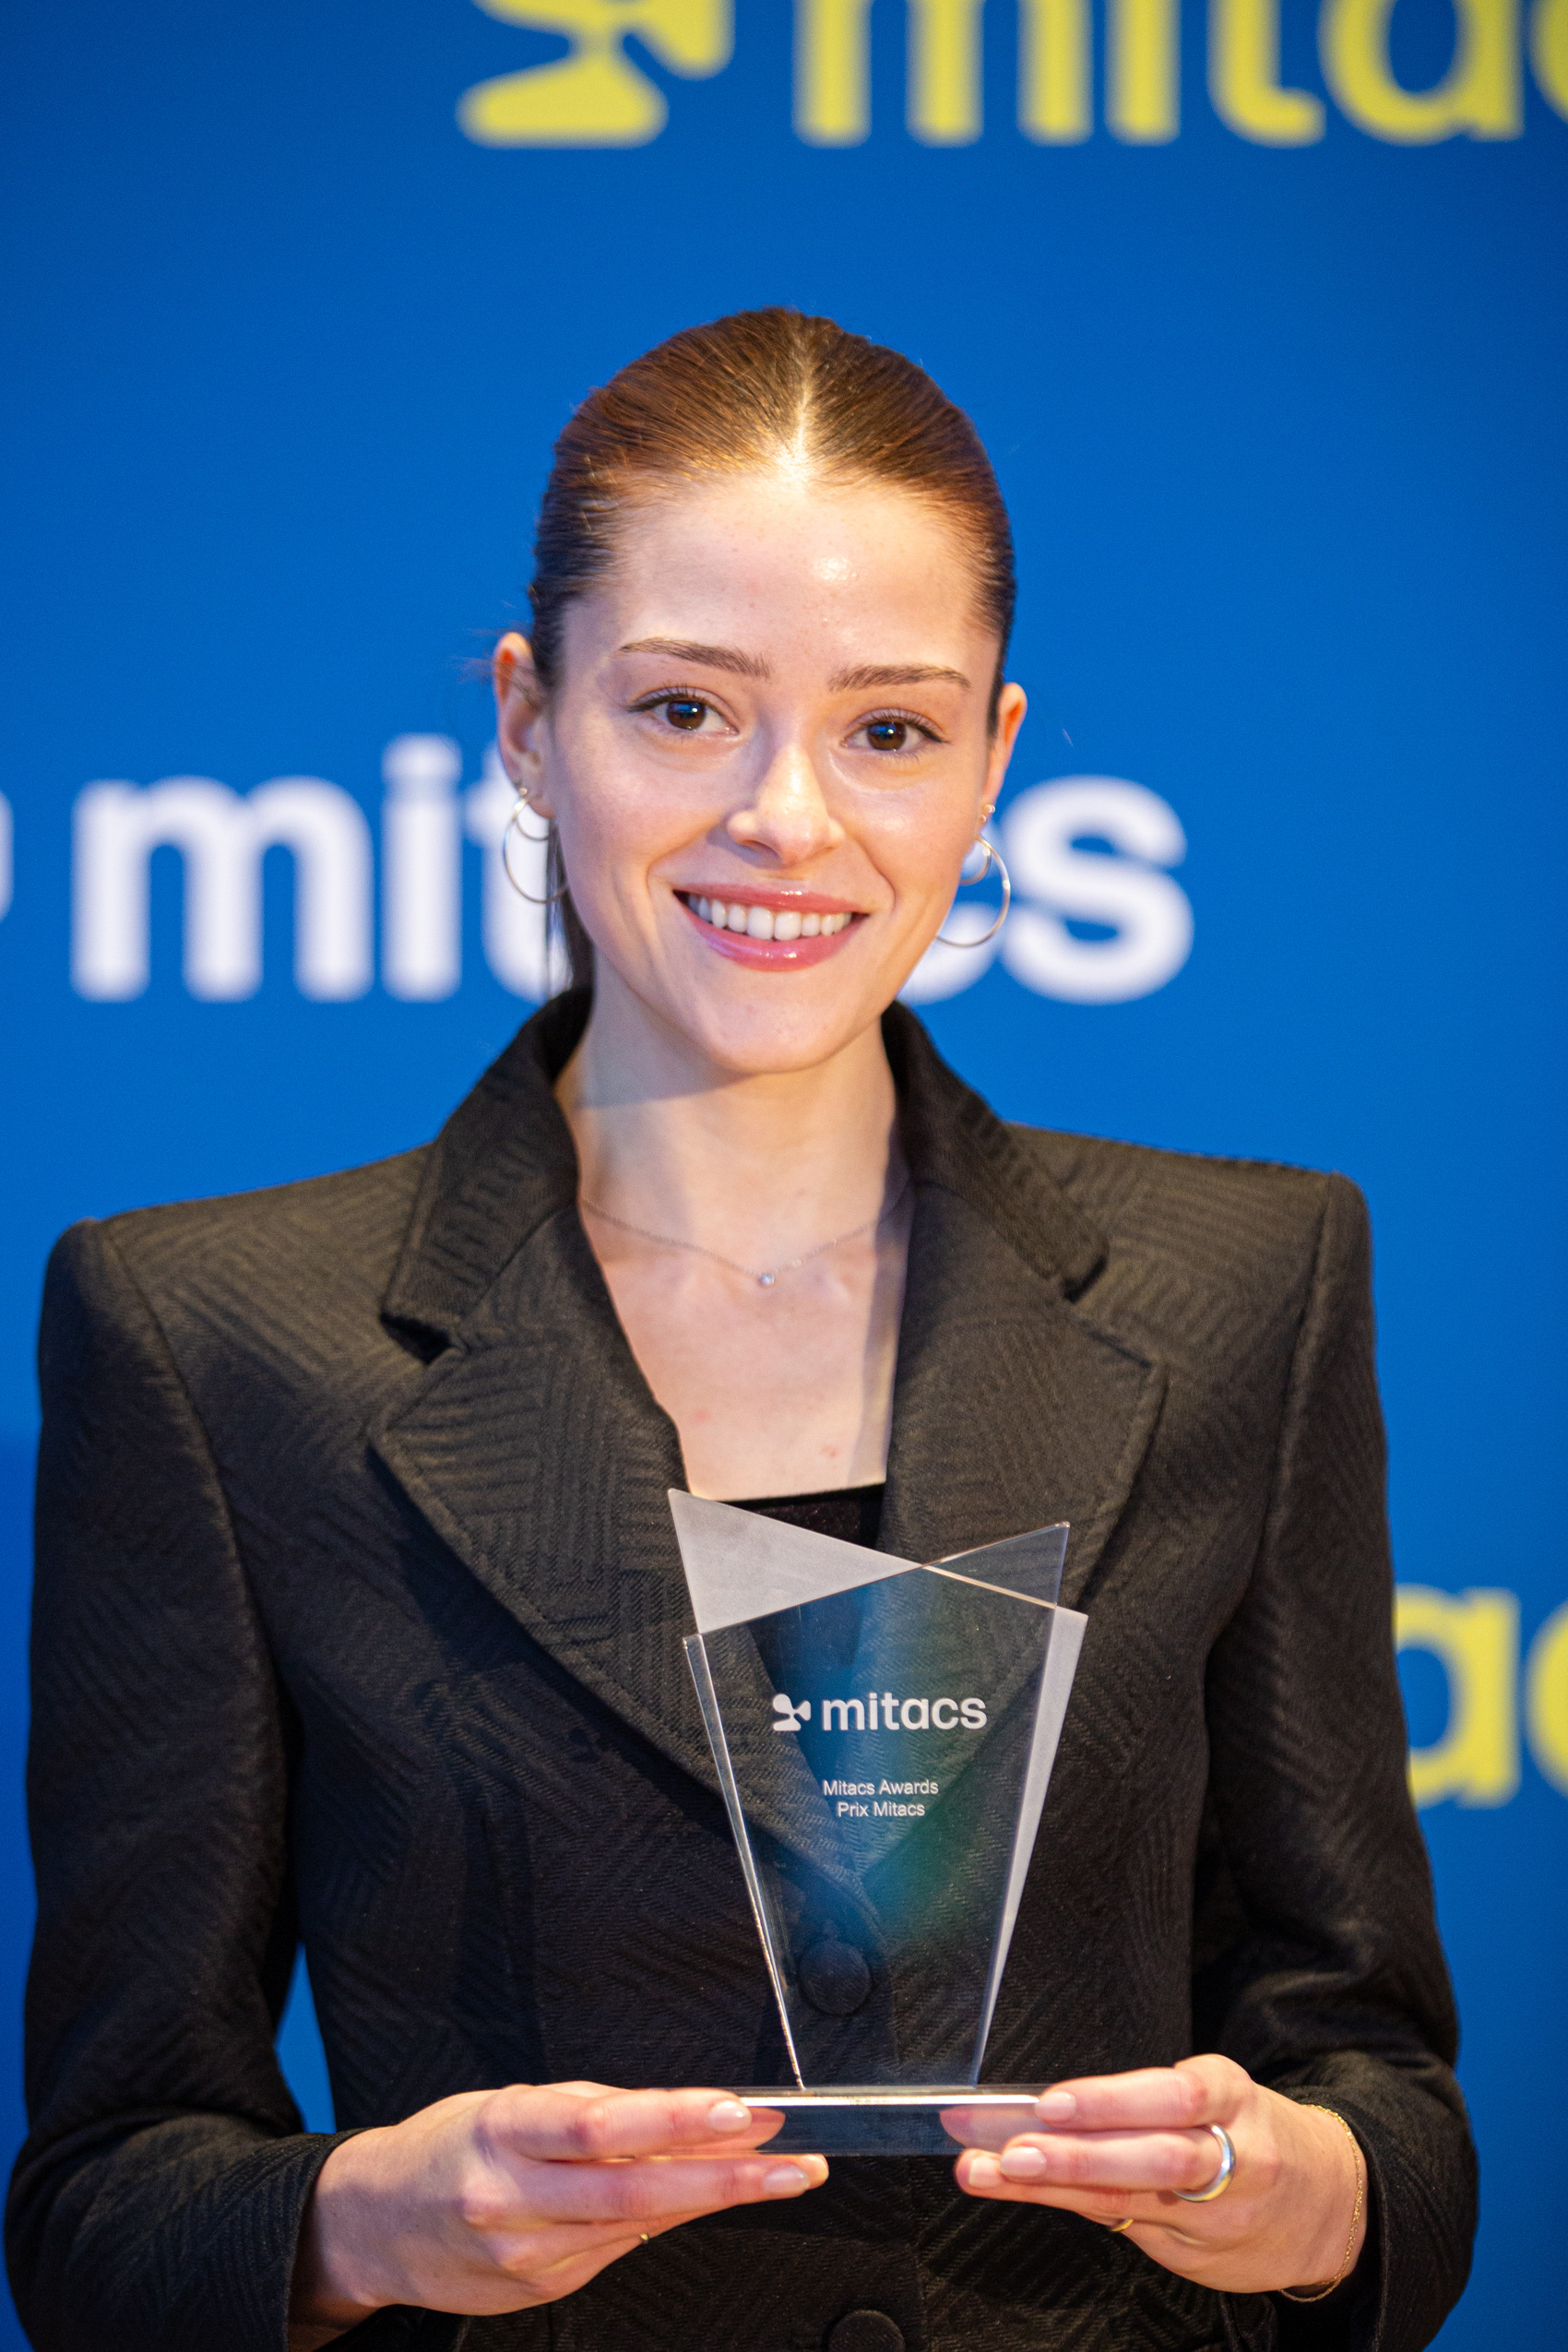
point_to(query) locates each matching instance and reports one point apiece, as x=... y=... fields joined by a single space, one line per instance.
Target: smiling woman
x=360 y=1612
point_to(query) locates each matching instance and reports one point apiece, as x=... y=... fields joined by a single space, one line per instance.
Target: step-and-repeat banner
x=1259 y=308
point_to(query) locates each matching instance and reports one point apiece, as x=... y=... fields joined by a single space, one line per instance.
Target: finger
x=989 y=2127
x=1149 y=2210
x=641 y=2192
x=981 y=2174
x=764 y=2123
x=1130 y=2163
x=767 y=2119
x=587 y=2122
x=1198 y=2091
x=1154 y=2098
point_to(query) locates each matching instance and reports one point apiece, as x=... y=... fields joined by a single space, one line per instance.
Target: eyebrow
x=897 y=673
x=711 y=657
x=868 y=677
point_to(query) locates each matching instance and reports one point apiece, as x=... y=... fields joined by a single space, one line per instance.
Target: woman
x=360 y=1612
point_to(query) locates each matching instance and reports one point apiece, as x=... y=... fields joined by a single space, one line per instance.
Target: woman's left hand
x=1120 y=2145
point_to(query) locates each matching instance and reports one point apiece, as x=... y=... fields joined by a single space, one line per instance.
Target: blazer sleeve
x=157 y=2200
x=1318 y=1963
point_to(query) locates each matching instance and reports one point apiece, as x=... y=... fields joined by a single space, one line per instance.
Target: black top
x=853 y=1514
x=360 y=1614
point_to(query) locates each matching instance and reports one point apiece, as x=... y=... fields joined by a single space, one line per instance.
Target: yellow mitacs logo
x=596 y=96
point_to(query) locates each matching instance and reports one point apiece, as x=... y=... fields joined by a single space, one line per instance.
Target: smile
x=766 y=923
x=748 y=931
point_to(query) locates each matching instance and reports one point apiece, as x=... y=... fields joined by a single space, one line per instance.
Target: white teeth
x=763 y=922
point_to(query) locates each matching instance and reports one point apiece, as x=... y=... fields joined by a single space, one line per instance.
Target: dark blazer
x=360 y=1617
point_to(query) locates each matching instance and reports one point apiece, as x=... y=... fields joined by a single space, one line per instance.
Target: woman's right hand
x=493 y=2200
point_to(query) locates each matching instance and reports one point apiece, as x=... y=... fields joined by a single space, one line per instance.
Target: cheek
x=617 y=829
x=920 y=852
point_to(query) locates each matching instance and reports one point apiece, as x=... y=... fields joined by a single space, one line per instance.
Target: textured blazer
x=360 y=1620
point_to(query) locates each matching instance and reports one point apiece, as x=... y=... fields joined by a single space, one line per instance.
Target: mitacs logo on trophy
x=885 y=1838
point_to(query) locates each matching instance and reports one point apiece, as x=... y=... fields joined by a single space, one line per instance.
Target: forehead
x=780 y=560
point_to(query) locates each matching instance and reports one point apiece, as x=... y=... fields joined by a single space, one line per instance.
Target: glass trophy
x=884 y=1732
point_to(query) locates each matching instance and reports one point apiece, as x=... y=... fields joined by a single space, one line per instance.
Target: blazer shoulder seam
x=258 y=1198
x=1120 y=1148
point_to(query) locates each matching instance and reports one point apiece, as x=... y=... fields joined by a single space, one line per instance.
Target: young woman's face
x=767 y=756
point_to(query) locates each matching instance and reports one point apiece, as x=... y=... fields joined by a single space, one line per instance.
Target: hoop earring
x=534 y=841
x=993 y=856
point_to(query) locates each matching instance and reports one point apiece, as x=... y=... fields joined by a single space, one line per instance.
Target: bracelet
x=1319 y=2294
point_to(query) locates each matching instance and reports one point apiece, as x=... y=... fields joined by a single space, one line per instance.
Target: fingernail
x=984 y=2172
x=1023 y=2164
x=727 y=2115
x=1056 y=2106
x=786 y=2181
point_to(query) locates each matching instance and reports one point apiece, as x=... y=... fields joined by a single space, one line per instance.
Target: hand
x=493 y=2200
x=1123 y=2143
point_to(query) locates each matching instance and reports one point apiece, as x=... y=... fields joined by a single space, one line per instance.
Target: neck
x=753 y=1165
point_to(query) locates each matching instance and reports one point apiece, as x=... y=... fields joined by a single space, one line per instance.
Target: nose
x=787 y=815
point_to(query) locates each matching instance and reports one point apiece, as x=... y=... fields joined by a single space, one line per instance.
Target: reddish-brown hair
x=736 y=395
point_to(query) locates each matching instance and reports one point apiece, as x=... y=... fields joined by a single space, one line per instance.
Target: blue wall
x=1281 y=426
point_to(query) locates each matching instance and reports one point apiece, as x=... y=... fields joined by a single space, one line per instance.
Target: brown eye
x=681 y=711
x=888 y=734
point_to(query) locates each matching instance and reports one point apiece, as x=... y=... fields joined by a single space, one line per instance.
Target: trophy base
x=873 y=2119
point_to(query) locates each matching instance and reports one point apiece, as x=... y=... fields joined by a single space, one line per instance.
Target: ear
x=1011 y=706
x=519 y=717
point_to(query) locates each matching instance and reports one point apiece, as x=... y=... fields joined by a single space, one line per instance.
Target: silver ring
x=993 y=856
x=1222 y=2181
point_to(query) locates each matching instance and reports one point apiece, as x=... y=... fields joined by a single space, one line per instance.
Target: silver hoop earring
x=993 y=856
x=534 y=841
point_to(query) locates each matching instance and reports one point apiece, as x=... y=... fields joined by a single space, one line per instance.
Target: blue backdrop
x=1261 y=314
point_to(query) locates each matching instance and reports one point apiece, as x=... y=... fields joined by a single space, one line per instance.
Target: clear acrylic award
x=884 y=1732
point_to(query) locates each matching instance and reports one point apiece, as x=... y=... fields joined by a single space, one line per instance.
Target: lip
x=774 y=954
x=793 y=895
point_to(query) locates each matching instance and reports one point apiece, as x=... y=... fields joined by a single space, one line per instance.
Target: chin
x=752 y=1038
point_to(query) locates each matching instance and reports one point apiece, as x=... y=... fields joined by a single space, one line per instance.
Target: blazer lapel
x=533 y=1445
x=1012 y=1407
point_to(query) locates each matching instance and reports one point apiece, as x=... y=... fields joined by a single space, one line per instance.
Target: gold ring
x=1116 y=2228
x=644 y=2235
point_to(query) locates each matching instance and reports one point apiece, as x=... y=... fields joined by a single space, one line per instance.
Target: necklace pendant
x=767 y=1280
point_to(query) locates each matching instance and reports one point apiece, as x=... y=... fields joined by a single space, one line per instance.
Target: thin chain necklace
x=767 y=1276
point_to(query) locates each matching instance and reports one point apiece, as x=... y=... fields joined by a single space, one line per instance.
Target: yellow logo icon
x=594 y=96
